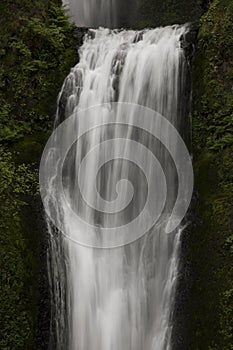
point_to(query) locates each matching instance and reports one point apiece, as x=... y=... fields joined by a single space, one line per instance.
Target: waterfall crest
x=118 y=299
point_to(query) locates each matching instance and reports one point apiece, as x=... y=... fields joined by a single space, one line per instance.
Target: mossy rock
x=29 y=149
x=210 y=243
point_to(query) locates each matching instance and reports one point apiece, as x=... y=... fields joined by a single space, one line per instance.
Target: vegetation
x=16 y=260
x=211 y=247
x=37 y=49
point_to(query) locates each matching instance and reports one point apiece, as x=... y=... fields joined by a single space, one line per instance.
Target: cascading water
x=106 y=13
x=117 y=299
x=93 y=13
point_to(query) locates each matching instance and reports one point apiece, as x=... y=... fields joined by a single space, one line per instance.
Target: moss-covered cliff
x=211 y=248
x=205 y=310
x=37 y=49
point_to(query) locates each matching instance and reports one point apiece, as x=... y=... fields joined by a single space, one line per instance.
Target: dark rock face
x=36 y=230
x=156 y=13
x=180 y=316
x=188 y=43
x=43 y=319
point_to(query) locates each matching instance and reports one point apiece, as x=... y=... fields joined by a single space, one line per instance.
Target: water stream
x=122 y=298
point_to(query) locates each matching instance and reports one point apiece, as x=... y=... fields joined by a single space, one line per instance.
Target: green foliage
x=37 y=49
x=214 y=77
x=212 y=246
x=16 y=276
x=36 y=54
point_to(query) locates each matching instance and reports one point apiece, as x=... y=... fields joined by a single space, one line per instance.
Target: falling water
x=117 y=299
x=93 y=13
x=106 y=13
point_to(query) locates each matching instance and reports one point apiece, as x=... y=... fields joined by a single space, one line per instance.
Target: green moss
x=37 y=49
x=214 y=78
x=28 y=149
x=17 y=260
x=211 y=247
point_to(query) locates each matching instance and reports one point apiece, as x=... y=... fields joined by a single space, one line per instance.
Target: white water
x=118 y=299
x=93 y=13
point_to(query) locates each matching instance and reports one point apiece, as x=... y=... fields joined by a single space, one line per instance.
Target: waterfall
x=119 y=298
x=93 y=13
x=106 y=13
